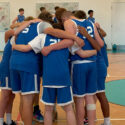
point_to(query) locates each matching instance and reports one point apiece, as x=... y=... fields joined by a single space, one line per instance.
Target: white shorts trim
x=28 y=93
x=5 y=88
x=81 y=61
x=16 y=92
x=51 y=104
x=64 y=104
x=100 y=91
x=54 y=86
x=75 y=95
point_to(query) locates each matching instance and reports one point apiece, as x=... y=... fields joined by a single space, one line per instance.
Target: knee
x=68 y=108
x=91 y=107
x=49 y=108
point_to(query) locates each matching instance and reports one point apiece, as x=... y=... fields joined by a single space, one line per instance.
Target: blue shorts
x=63 y=96
x=24 y=82
x=5 y=82
x=101 y=84
x=84 y=79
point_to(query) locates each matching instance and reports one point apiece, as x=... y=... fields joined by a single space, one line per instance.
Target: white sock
x=1 y=121
x=107 y=121
x=8 y=118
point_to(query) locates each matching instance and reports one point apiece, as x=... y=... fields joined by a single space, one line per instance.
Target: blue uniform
x=102 y=64
x=25 y=67
x=56 y=76
x=55 y=20
x=91 y=19
x=84 y=69
x=20 y=18
x=4 y=67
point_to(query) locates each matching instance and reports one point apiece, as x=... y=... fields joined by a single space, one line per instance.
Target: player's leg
x=91 y=109
x=105 y=107
x=70 y=115
x=30 y=85
x=48 y=119
x=49 y=99
x=91 y=89
x=27 y=108
x=66 y=101
x=9 y=110
x=79 y=106
x=79 y=87
x=103 y=100
x=4 y=100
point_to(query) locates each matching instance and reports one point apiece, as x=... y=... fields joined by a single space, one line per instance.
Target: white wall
x=102 y=10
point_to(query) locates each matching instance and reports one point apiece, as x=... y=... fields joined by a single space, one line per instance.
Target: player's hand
x=46 y=51
x=97 y=25
x=13 y=46
x=83 y=31
x=35 y=21
x=79 y=41
x=95 y=52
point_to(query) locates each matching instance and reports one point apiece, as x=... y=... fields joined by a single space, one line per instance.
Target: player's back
x=4 y=64
x=90 y=29
x=24 y=61
x=55 y=65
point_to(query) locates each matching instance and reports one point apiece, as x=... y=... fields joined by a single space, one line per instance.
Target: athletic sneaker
x=86 y=121
x=104 y=124
x=37 y=116
x=13 y=123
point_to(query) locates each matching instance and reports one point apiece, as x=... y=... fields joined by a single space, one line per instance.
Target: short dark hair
x=46 y=16
x=80 y=14
x=59 y=13
x=42 y=8
x=21 y=9
x=56 y=7
x=90 y=11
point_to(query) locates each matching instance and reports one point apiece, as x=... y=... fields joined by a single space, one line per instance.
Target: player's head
x=59 y=13
x=91 y=12
x=21 y=11
x=80 y=14
x=73 y=12
x=46 y=16
x=56 y=8
x=66 y=15
x=42 y=9
x=58 y=26
x=28 y=18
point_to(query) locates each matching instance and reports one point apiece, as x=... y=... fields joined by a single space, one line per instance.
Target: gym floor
x=116 y=71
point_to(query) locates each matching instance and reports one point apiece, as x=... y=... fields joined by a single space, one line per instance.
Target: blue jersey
x=91 y=19
x=4 y=64
x=55 y=65
x=21 y=18
x=104 y=54
x=55 y=20
x=90 y=28
x=29 y=61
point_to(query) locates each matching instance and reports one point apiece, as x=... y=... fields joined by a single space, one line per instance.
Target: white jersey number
x=54 y=41
x=26 y=30
x=89 y=30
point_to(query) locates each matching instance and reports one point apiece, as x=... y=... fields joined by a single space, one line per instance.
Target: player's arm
x=8 y=34
x=14 y=21
x=63 y=34
x=98 y=38
x=93 y=42
x=22 y=48
x=102 y=32
x=60 y=45
x=86 y=53
x=15 y=25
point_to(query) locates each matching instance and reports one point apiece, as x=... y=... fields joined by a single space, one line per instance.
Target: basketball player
x=83 y=86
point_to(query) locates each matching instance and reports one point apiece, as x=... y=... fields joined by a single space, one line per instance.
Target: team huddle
x=69 y=53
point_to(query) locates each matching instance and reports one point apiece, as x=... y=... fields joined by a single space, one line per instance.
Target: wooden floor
x=116 y=71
